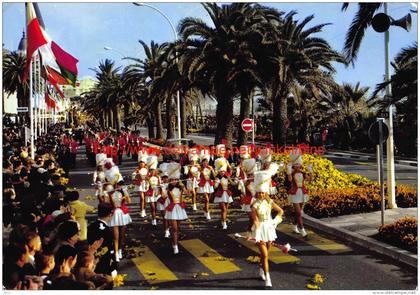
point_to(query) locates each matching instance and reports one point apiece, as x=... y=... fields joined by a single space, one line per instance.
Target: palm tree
x=348 y=108
x=356 y=32
x=290 y=58
x=14 y=65
x=404 y=97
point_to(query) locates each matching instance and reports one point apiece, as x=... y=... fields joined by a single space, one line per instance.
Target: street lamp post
x=176 y=38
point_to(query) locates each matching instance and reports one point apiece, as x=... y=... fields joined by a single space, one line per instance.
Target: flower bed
x=402 y=233
x=334 y=193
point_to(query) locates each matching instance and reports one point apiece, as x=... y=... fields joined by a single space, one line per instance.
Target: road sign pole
x=381 y=162
x=378 y=163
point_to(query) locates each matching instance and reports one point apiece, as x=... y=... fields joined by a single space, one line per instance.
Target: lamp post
x=176 y=38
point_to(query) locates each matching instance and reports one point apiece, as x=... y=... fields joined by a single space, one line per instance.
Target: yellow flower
x=318 y=279
x=313 y=287
x=119 y=280
x=253 y=259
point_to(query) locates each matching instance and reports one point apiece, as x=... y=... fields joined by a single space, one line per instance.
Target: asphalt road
x=211 y=258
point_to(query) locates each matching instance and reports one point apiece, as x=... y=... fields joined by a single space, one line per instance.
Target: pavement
x=211 y=258
x=360 y=229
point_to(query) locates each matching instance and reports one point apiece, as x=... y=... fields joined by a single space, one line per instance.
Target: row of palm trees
x=250 y=50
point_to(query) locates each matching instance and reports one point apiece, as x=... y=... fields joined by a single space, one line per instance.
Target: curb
x=371 y=244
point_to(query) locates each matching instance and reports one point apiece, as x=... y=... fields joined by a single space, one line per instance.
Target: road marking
x=211 y=259
x=316 y=240
x=276 y=255
x=153 y=270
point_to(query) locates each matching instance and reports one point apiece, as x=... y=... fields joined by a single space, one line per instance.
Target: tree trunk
x=279 y=120
x=169 y=126
x=150 y=127
x=245 y=111
x=159 y=123
x=117 y=119
x=224 y=121
x=183 y=116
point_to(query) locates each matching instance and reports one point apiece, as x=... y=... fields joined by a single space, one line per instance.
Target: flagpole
x=35 y=95
x=31 y=111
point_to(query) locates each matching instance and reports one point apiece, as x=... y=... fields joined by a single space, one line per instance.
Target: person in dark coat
x=100 y=230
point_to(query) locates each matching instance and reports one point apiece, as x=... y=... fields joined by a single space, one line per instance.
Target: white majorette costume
x=112 y=173
x=120 y=216
x=297 y=193
x=176 y=207
x=163 y=200
x=193 y=172
x=139 y=177
x=249 y=167
x=206 y=183
x=267 y=229
x=99 y=179
x=153 y=193
x=223 y=194
x=265 y=157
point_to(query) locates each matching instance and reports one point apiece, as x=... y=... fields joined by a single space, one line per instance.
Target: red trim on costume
x=294 y=187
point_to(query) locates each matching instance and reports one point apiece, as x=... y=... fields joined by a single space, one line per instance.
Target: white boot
x=120 y=253
x=194 y=207
x=167 y=233
x=296 y=229
x=154 y=222
x=262 y=274
x=268 y=280
x=117 y=257
x=175 y=249
x=224 y=225
x=143 y=213
x=208 y=216
x=303 y=232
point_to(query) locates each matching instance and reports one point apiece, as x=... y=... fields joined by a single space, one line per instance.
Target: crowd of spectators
x=49 y=245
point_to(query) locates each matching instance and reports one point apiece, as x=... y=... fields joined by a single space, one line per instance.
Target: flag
x=66 y=62
x=35 y=36
x=59 y=64
x=49 y=101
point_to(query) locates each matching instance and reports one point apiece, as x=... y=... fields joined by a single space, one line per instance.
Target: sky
x=84 y=29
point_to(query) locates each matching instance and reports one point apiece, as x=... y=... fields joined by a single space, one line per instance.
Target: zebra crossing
x=206 y=256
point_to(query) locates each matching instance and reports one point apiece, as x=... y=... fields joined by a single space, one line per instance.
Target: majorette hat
x=164 y=168
x=174 y=170
x=204 y=155
x=220 y=164
x=100 y=159
x=250 y=166
x=193 y=155
x=244 y=152
x=262 y=180
x=143 y=156
x=152 y=162
x=274 y=167
x=220 y=150
x=265 y=155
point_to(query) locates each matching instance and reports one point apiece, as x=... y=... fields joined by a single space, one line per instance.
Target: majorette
x=141 y=185
x=264 y=228
x=298 y=193
x=163 y=200
x=240 y=173
x=193 y=175
x=175 y=211
x=154 y=191
x=223 y=195
x=249 y=167
x=206 y=181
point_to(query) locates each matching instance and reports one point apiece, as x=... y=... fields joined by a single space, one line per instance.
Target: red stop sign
x=247 y=125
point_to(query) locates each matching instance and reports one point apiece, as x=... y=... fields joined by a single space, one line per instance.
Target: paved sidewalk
x=359 y=229
x=369 y=157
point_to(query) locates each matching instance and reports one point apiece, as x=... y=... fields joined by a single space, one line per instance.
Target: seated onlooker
x=33 y=242
x=67 y=233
